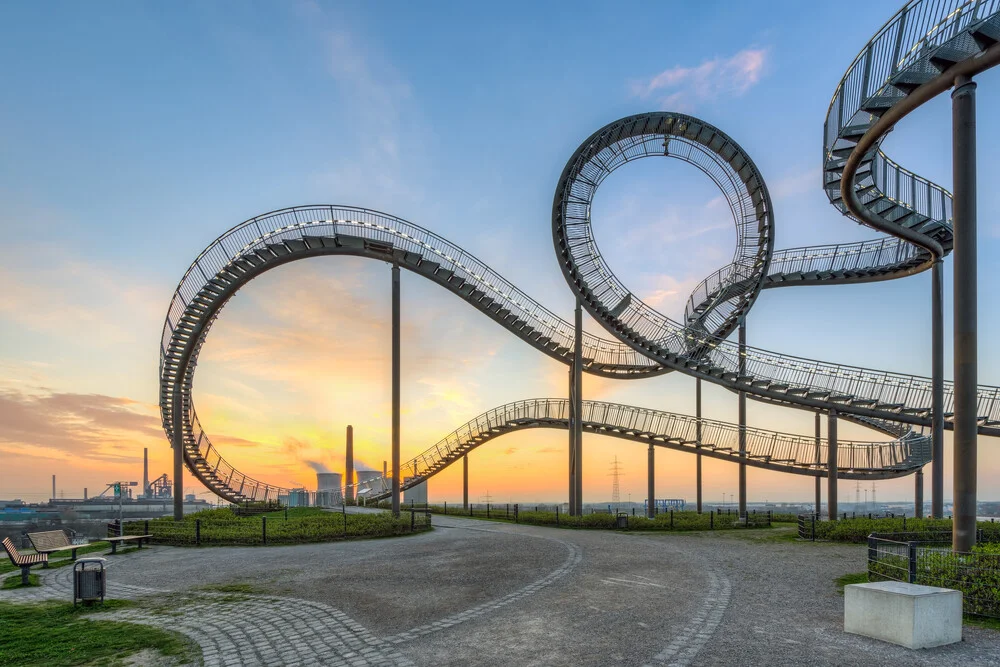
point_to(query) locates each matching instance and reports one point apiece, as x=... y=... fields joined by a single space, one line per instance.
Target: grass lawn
x=15 y=582
x=852 y=578
x=55 y=634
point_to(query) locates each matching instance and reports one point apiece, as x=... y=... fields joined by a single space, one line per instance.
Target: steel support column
x=963 y=107
x=937 y=390
x=465 y=482
x=651 y=483
x=578 y=406
x=819 y=462
x=178 y=465
x=918 y=494
x=743 y=420
x=349 y=465
x=395 y=389
x=572 y=442
x=697 y=463
x=831 y=466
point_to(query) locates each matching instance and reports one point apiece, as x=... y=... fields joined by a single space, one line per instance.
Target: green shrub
x=223 y=527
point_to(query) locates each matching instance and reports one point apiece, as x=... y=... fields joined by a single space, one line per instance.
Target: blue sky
x=132 y=134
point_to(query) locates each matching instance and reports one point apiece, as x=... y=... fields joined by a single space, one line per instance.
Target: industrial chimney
x=349 y=473
x=145 y=472
x=53 y=487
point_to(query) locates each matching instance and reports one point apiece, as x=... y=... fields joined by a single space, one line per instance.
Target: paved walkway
x=479 y=593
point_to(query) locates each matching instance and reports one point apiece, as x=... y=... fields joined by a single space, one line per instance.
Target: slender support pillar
x=743 y=421
x=819 y=461
x=697 y=412
x=395 y=390
x=572 y=443
x=831 y=466
x=918 y=494
x=937 y=390
x=349 y=465
x=651 y=483
x=963 y=107
x=578 y=406
x=465 y=482
x=178 y=461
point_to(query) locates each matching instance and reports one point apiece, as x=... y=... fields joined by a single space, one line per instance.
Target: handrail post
x=912 y=558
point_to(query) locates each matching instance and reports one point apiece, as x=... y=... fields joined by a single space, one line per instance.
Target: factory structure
x=139 y=500
x=357 y=484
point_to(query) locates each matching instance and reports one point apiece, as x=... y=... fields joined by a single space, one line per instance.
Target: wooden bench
x=53 y=541
x=23 y=561
x=126 y=538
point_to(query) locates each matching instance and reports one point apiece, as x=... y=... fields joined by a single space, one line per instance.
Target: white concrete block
x=910 y=615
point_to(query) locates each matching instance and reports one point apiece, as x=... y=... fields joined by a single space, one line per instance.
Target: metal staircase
x=766 y=449
x=919 y=41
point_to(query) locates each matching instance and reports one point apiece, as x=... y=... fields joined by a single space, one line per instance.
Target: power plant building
x=416 y=495
x=328 y=489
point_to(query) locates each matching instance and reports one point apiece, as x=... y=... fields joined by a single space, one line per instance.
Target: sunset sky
x=133 y=134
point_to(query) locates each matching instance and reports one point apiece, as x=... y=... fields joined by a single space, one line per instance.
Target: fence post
x=633 y=511
x=872 y=554
x=446 y=508
x=487 y=510
x=286 y=514
x=711 y=520
x=470 y=509
x=345 y=520
x=507 y=511
x=904 y=523
x=412 y=518
x=145 y=527
x=557 y=515
x=813 y=527
x=263 y=528
x=671 y=519
x=197 y=532
x=515 y=512
x=913 y=562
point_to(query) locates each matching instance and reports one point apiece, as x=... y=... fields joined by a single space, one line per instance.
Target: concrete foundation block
x=910 y=615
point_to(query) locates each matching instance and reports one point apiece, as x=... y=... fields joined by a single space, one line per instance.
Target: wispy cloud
x=378 y=103
x=796 y=182
x=682 y=88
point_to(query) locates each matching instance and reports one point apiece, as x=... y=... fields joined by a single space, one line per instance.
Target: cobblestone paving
x=689 y=641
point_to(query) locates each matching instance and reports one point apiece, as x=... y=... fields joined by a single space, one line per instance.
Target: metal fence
x=926 y=558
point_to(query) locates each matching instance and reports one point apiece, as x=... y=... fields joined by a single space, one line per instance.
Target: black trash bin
x=621 y=520
x=89 y=580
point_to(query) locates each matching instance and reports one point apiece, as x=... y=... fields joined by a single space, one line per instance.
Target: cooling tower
x=328 y=481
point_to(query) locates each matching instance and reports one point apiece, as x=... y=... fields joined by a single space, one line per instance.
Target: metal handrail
x=783 y=451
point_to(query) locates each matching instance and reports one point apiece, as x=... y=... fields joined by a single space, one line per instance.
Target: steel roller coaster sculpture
x=914 y=56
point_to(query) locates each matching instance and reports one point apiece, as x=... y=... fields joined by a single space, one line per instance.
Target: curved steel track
x=901 y=67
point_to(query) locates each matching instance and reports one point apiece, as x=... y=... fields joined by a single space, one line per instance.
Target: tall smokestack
x=145 y=472
x=84 y=493
x=385 y=468
x=53 y=487
x=349 y=473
